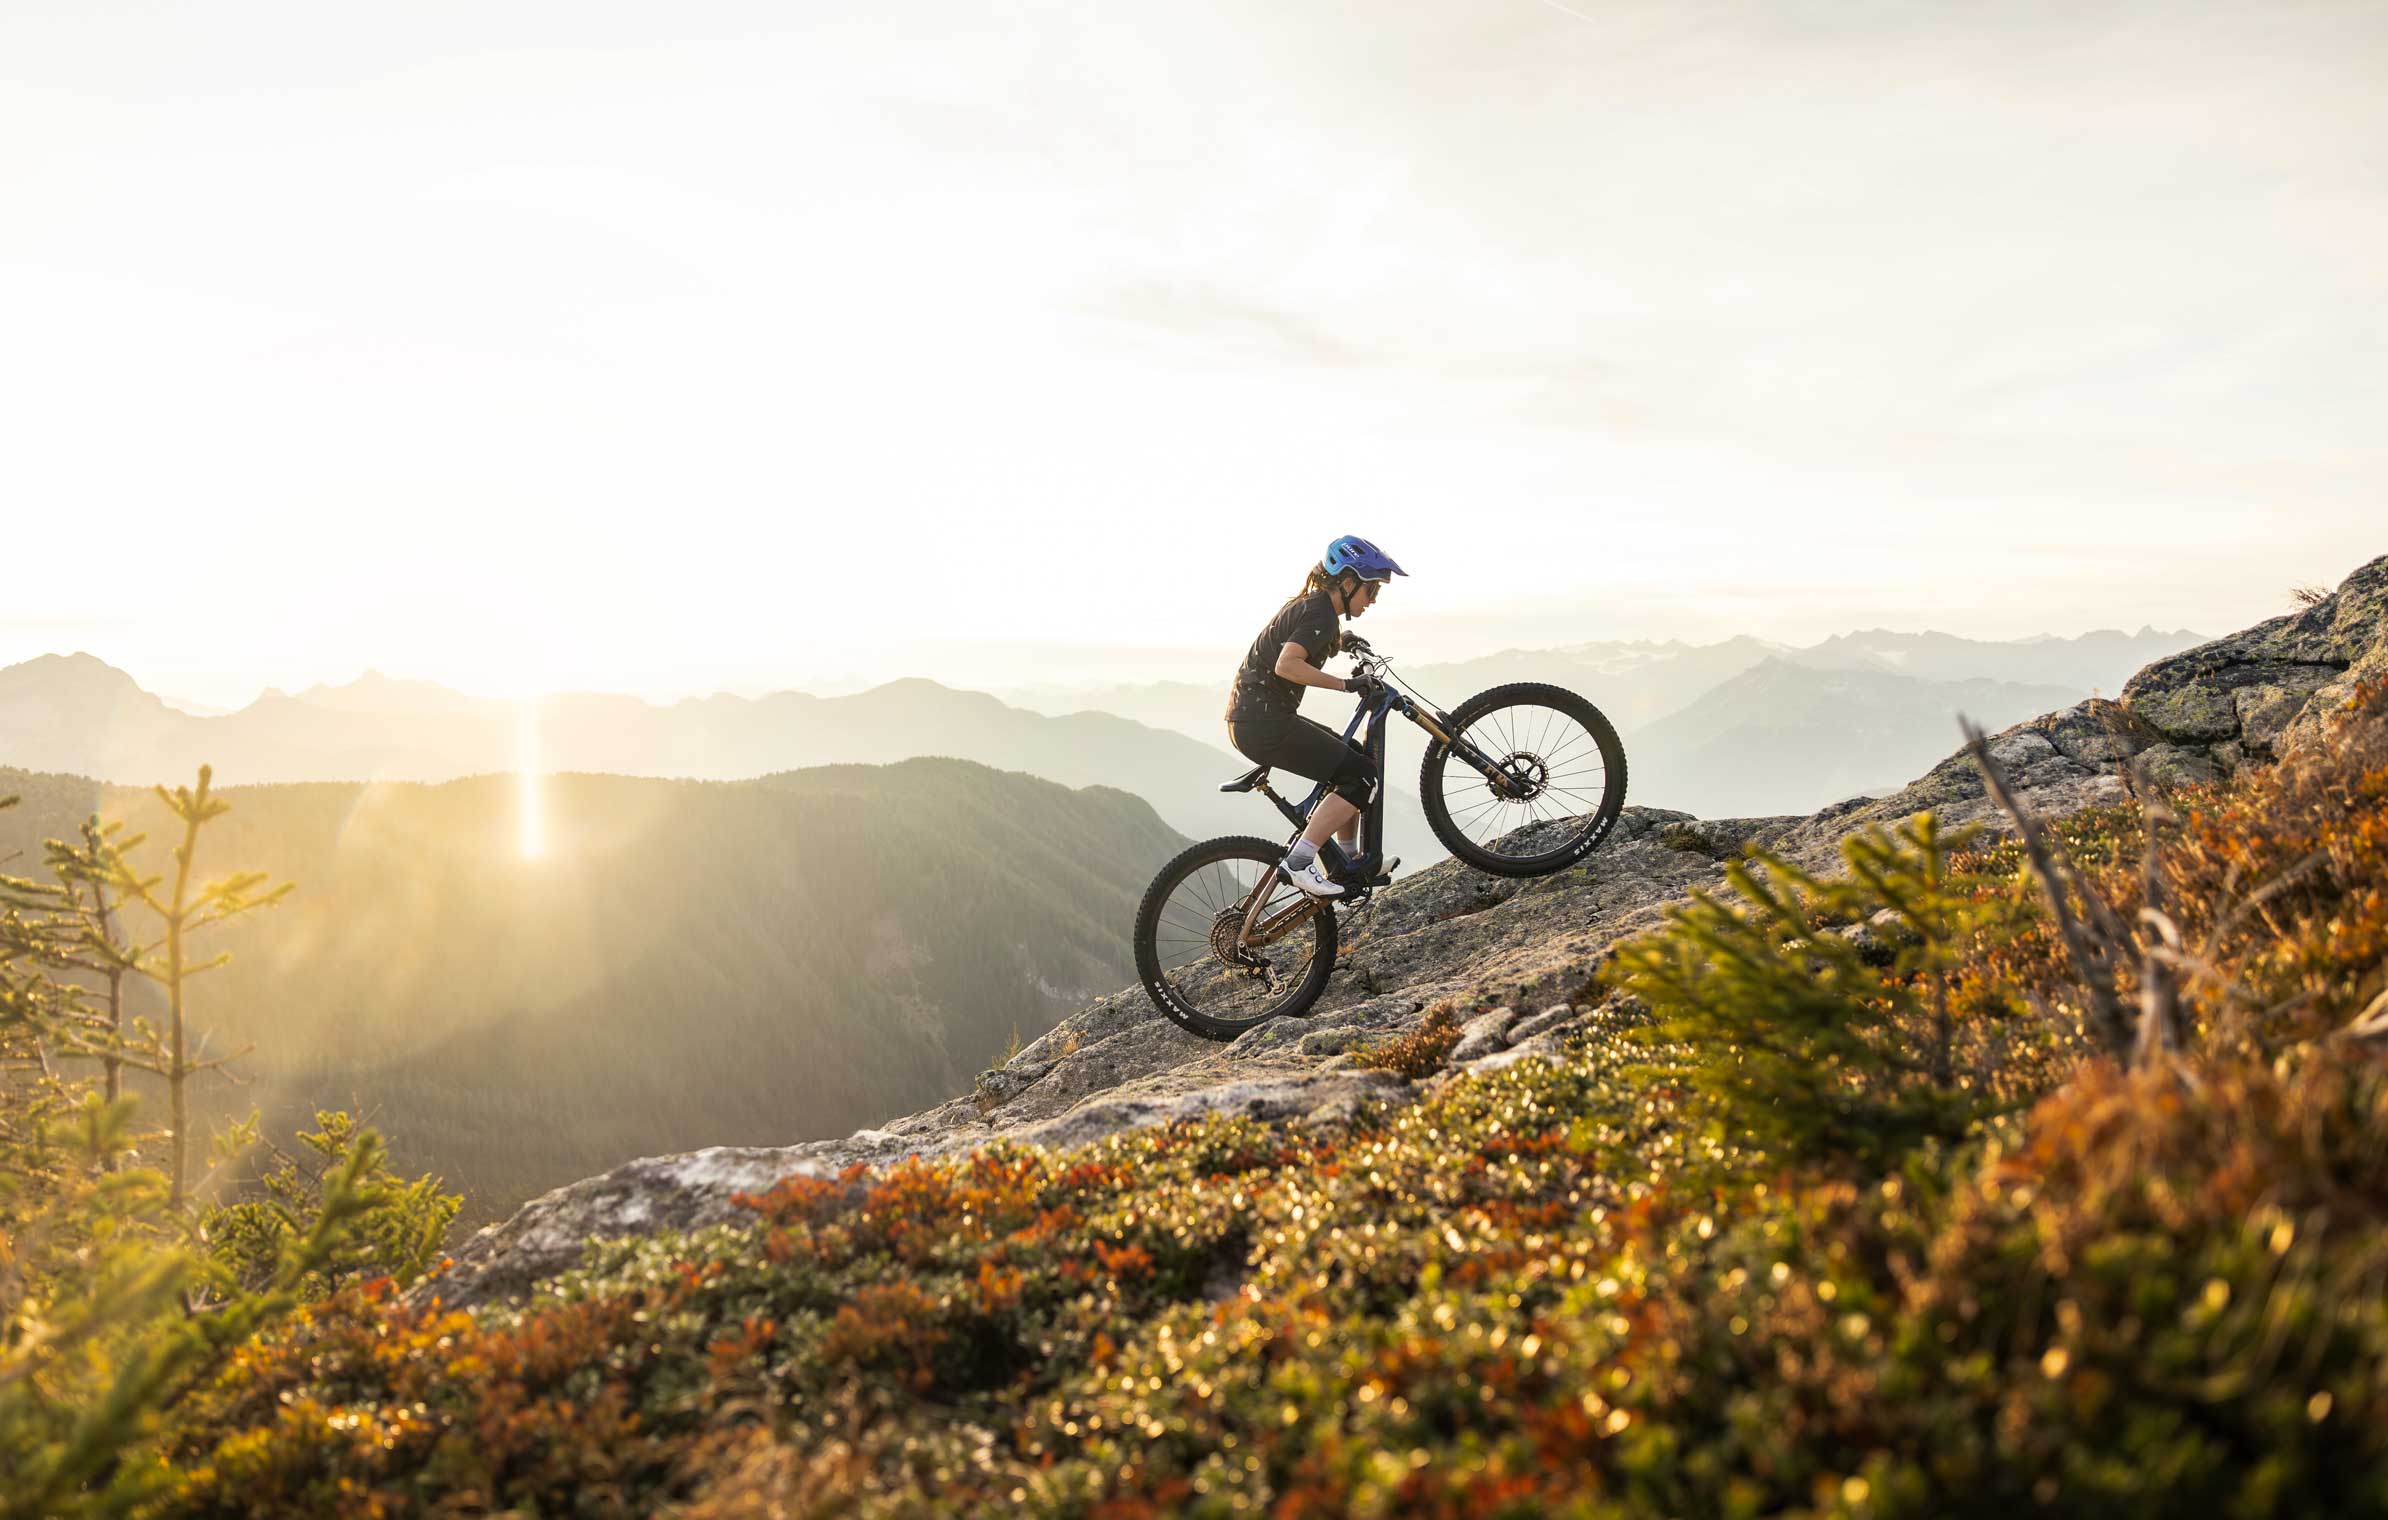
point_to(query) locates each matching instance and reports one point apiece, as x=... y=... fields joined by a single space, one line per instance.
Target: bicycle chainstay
x=1269 y=930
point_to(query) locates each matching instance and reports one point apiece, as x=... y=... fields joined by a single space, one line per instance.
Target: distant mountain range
x=688 y=963
x=1784 y=737
x=1634 y=682
x=79 y=715
x=2095 y=664
x=1718 y=729
x=1734 y=727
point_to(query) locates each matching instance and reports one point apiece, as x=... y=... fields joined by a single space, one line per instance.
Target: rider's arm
x=1293 y=664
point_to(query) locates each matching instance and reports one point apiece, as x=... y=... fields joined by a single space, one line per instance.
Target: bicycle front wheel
x=1556 y=786
x=1217 y=961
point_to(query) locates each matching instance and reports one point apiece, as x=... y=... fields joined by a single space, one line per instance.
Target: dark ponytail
x=1319 y=580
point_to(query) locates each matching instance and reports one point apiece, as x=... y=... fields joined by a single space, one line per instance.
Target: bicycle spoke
x=1184 y=954
x=1556 y=750
x=1474 y=813
x=1568 y=750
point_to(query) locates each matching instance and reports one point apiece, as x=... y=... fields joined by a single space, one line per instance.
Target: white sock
x=1301 y=854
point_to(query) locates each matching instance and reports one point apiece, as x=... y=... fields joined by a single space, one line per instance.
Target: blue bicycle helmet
x=1361 y=557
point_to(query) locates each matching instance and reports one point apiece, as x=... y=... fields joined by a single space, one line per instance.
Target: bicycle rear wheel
x=1561 y=787
x=1186 y=940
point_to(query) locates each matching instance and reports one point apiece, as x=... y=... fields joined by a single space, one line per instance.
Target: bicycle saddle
x=1248 y=780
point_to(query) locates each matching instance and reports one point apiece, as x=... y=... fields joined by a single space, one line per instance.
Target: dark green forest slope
x=684 y=963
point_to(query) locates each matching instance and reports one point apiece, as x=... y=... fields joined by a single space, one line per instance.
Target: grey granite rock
x=1550 y=1018
x=2180 y=765
x=2096 y=732
x=1482 y=1035
x=2321 y=651
x=1547 y=1046
x=2023 y=748
x=1308 y=1094
x=2195 y=716
x=2266 y=708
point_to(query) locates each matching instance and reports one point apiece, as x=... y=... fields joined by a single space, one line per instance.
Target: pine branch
x=2091 y=957
x=2160 y=1030
x=2371 y=1023
x=129 y=1055
x=200 y=1066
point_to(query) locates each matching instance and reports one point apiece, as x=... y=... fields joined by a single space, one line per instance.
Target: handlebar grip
x=1354 y=644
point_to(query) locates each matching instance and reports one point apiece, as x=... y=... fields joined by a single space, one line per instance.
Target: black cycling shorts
x=1308 y=749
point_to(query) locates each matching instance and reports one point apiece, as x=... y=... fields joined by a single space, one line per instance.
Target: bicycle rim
x=1567 y=781
x=1186 y=932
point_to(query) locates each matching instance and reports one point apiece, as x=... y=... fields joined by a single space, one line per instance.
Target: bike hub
x=1224 y=929
x=1524 y=776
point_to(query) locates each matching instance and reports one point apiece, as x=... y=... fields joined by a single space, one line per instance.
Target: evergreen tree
x=1814 y=1017
x=71 y=925
x=114 y=1301
x=401 y=1239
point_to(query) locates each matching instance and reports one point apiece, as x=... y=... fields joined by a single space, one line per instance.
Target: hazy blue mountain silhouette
x=78 y=715
x=1784 y=737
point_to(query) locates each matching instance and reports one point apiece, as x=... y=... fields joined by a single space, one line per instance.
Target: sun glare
x=529 y=804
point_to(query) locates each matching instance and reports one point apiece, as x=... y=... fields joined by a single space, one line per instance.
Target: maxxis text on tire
x=1182 y=1010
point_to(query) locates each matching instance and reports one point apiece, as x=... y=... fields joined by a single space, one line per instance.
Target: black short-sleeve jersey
x=1259 y=692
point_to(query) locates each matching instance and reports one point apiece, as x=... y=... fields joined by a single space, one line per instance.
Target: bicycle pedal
x=1381 y=879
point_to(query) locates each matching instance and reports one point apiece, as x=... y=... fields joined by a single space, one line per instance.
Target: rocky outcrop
x=1527 y=947
x=2247 y=698
x=2200 y=715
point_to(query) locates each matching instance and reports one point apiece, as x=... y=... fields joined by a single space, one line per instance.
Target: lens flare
x=529 y=804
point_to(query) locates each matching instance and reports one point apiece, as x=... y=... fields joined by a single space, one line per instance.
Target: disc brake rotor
x=1526 y=774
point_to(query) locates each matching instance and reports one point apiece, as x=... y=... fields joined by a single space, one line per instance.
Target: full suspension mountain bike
x=1521 y=780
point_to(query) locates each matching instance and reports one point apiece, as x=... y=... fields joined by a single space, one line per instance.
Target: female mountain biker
x=1261 y=719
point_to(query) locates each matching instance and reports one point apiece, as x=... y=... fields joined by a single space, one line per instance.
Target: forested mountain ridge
x=682 y=962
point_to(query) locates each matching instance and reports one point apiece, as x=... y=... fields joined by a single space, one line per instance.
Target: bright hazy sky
x=665 y=348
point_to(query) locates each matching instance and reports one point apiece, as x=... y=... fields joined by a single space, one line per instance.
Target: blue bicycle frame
x=1388 y=701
